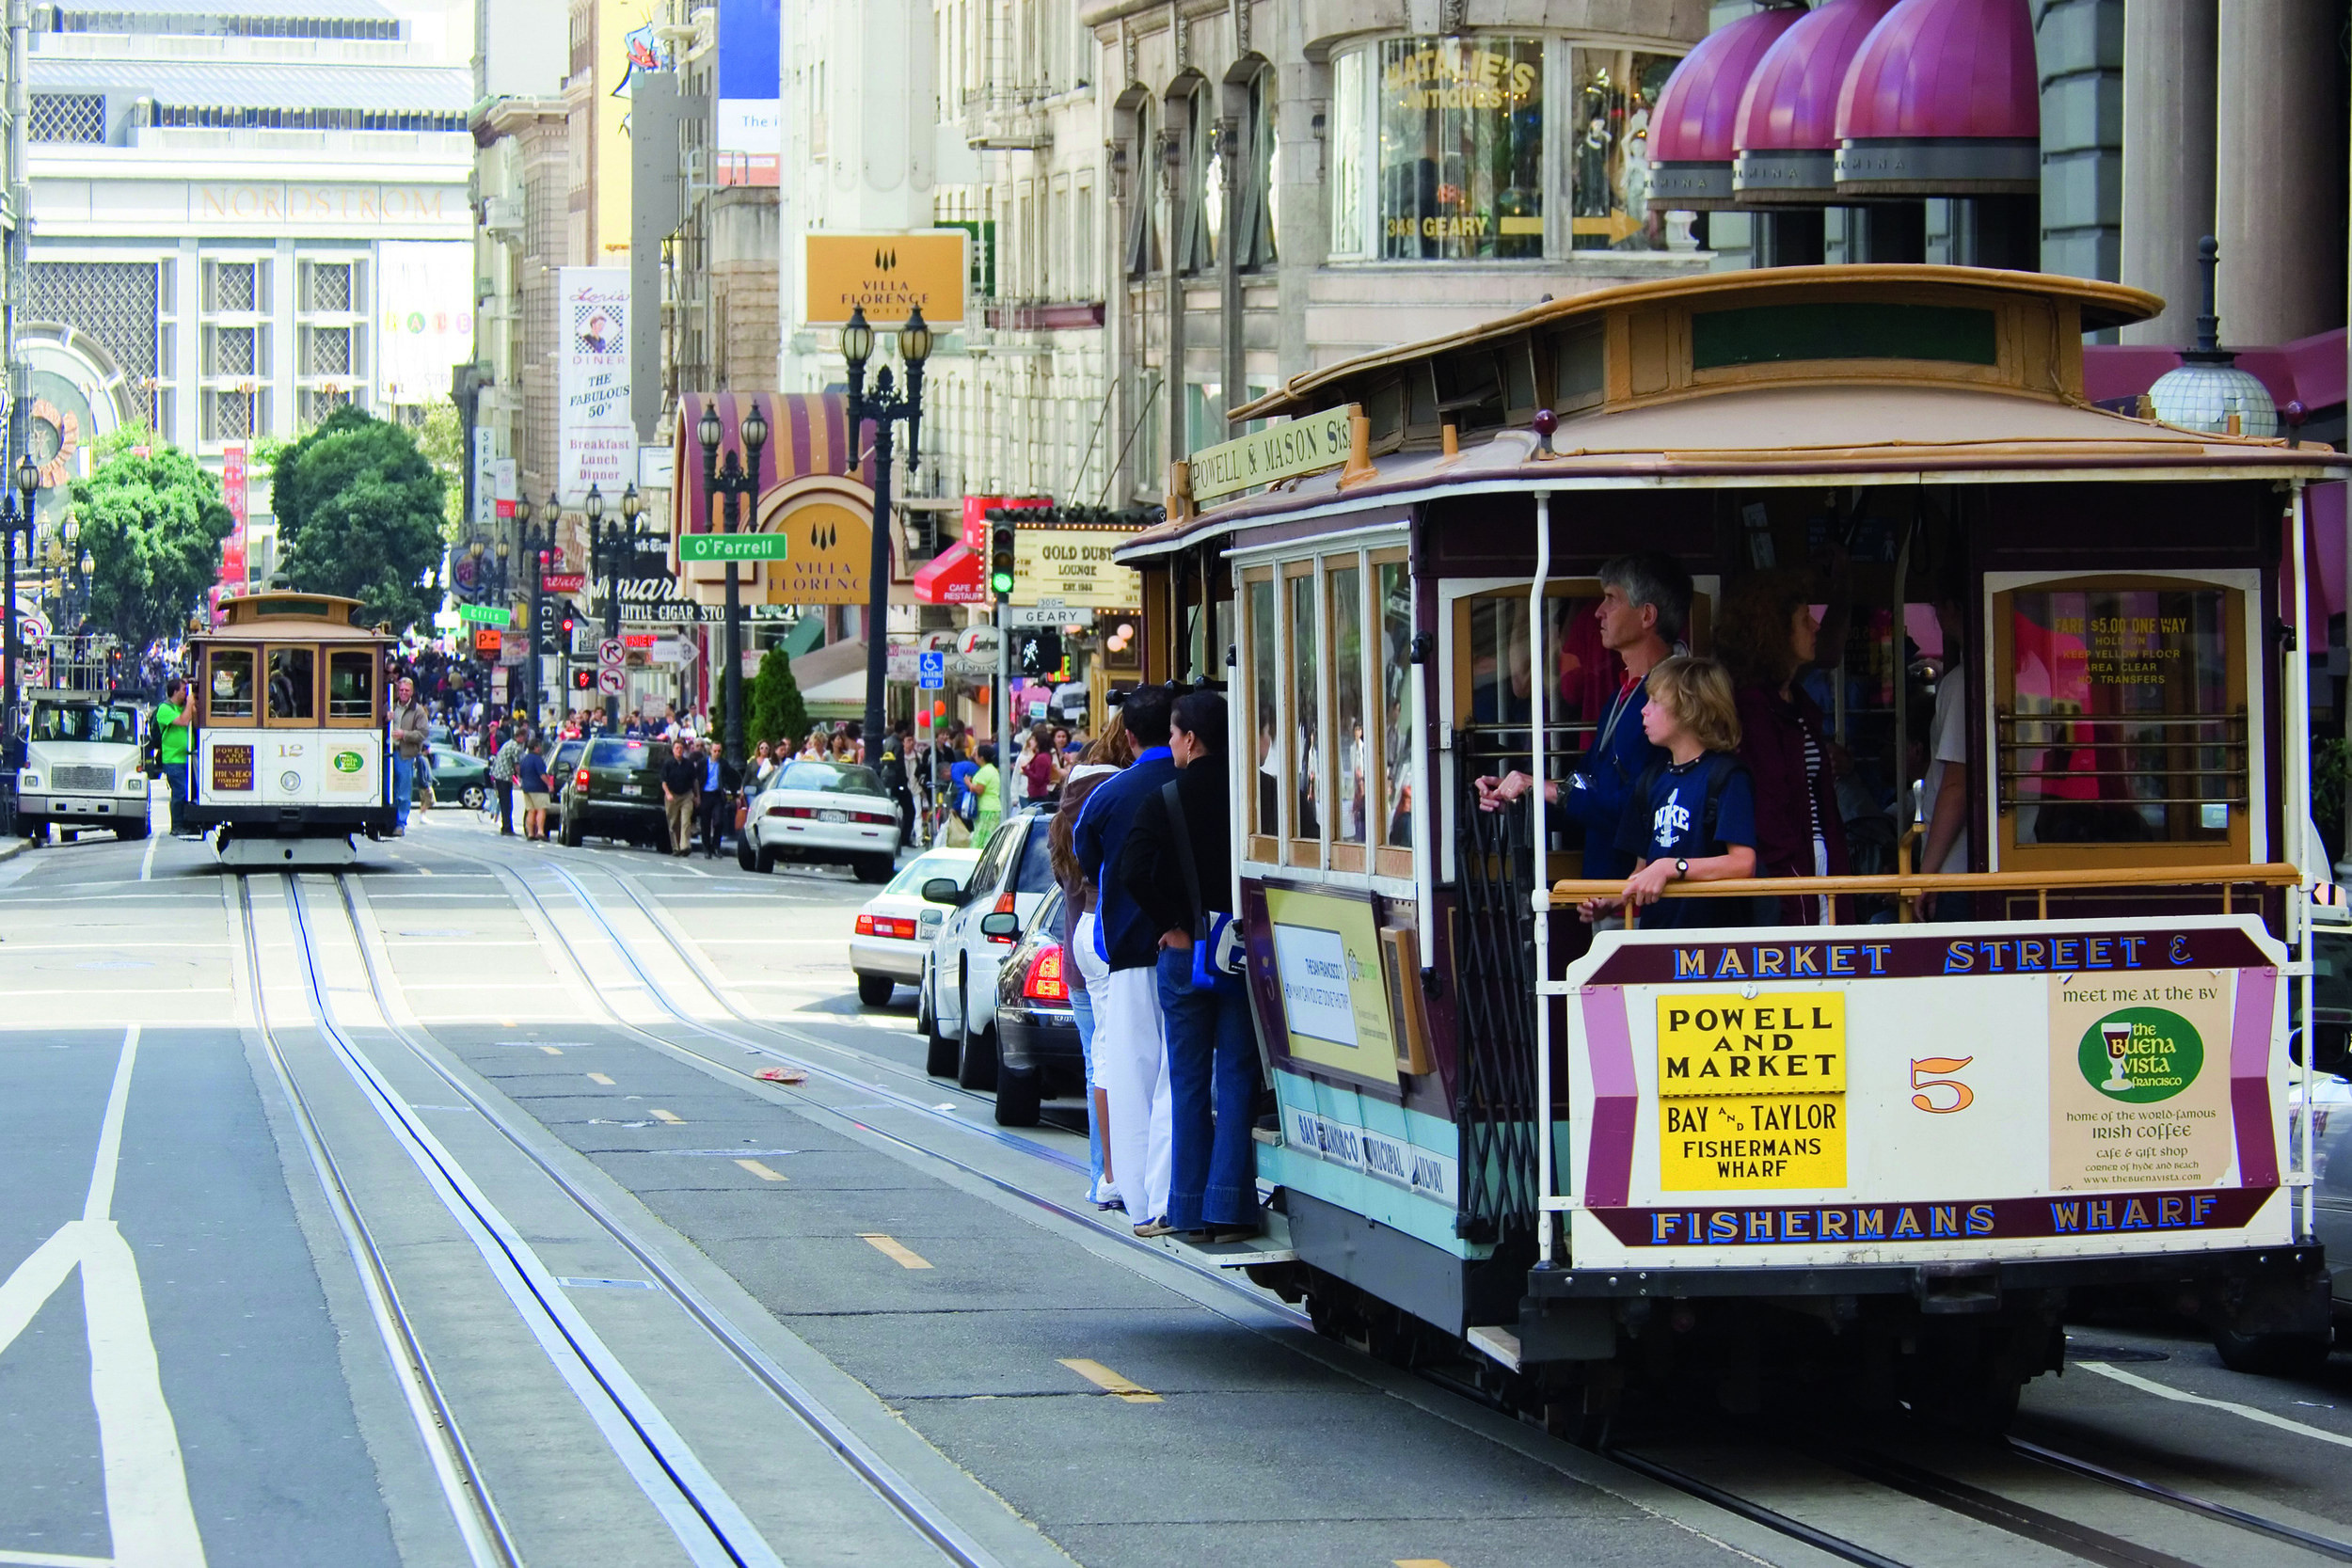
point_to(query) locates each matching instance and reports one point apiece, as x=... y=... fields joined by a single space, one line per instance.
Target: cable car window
x=2123 y=715
x=293 y=685
x=1348 y=742
x=351 y=684
x=1393 y=601
x=1305 y=728
x=228 y=685
x=1265 y=803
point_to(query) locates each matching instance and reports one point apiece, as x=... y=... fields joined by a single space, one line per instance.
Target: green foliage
x=2331 y=760
x=443 y=442
x=361 y=513
x=152 y=526
x=775 y=711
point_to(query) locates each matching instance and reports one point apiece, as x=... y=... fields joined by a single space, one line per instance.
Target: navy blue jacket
x=1129 y=937
x=1604 y=780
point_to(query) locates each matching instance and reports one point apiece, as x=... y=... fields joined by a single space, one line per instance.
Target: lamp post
x=16 y=519
x=884 y=405
x=857 y=346
x=728 y=486
x=615 y=547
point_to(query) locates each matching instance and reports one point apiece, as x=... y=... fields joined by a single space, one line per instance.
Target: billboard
x=750 y=143
x=233 y=493
x=596 y=433
x=424 y=317
x=887 y=275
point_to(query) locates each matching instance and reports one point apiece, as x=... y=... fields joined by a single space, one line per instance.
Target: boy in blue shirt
x=1691 y=816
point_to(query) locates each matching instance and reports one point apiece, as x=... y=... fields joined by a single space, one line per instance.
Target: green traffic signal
x=1000 y=560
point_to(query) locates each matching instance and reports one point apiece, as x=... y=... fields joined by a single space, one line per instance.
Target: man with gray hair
x=1644 y=602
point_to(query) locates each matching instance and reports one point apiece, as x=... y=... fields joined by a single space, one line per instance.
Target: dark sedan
x=458 y=779
x=1039 y=1056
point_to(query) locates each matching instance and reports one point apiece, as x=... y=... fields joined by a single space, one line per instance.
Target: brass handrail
x=1567 y=893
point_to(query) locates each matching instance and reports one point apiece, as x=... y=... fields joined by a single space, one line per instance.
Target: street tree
x=359 y=513
x=778 y=712
x=153 y=521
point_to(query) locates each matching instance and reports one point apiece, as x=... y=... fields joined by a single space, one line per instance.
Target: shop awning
x=1944 y=98
x=1786 y=139
x=1691 y=135
x=808 y=433
x=954 y=576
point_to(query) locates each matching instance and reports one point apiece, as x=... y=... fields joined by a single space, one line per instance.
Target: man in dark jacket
x=680 y=777
x=1177 y=865
x=715 y=803
x=1130 y=1041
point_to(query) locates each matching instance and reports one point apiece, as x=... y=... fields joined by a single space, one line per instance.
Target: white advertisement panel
x=597 y=436
x=1817 y=1097
x=424 y=317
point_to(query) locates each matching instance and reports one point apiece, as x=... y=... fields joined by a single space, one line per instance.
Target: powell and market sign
x=1281 y=452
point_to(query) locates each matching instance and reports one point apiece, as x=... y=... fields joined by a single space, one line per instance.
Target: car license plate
x=632 y=789
x=832 y=816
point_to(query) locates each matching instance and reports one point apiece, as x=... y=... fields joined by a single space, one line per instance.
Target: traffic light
x=1000 y=558
x=583 y=679
x=1041 y=654
x=569 y=620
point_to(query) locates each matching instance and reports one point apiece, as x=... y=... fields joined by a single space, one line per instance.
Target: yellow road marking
x=550 y=1051
x=601 y=1078
x=424 y=871
x=1420 y=1562
x=507 y=1023
x=1110 y=1382
x=896 y=1251
x=760 y=1170
x=671 y=1117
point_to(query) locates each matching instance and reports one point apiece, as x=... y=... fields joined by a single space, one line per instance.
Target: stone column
x=2168 y=48
x=2278 y=182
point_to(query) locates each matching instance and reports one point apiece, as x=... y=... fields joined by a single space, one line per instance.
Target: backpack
x=1722 y=768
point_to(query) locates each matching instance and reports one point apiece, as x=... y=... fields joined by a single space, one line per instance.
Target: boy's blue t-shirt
x=532 y=774
x=1665 y=824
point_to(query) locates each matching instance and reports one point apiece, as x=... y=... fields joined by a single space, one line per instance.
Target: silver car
x=895 y=927
x=958 y=1010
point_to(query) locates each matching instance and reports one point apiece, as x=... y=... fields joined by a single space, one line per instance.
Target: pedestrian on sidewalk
x=537 y=797
x=503 y=767
x=680 y=776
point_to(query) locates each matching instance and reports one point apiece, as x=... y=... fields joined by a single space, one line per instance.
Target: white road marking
x=149 y=1517
x=147 y=861
x=2151 y=1386
x=53 y=1559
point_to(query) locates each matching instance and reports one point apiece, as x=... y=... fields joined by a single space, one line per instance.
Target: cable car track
x=731 y=1534
x=1943 y=1493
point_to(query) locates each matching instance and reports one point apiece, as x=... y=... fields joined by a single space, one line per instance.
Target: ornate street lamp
x=884 y=406
x=857 y=346
x=16 y=521
x=614 y=550
x=726 y=486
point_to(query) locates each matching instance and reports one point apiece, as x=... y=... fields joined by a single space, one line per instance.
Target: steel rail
x=903 y=1495
x=454 y=1467
x=2325 y=1546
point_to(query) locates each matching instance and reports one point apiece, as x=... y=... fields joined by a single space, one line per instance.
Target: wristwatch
x=1682 y=869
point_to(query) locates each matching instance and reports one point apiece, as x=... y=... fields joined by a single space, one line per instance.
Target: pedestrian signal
x=583 y=679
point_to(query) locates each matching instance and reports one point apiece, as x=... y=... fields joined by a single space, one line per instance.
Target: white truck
x=83 y=766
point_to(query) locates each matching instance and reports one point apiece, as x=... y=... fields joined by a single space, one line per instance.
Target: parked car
x=458 y=779
x=83 y=766
x=1038 y=1053
x=613 y=790
x=959 y=1008
x=828 y=813
x=562 y=761
x=896 y=925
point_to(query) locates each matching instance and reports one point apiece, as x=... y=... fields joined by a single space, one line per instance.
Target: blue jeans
x=176 y=775
x=1082 y=1005
x=1213 y=1079
x=404 y=786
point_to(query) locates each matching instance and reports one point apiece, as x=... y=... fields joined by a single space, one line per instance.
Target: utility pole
x=19 y=388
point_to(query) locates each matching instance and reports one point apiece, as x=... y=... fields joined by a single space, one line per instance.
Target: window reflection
x=1392 y=584
x=293 y=674
x=1266 y=805
x=1306 y=712
x=1348 y=701
x=229 y=688
x=351 y=685
x=1461 y=148
x=1609 y=157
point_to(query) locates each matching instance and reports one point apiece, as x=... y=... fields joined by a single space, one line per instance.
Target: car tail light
x=579 y=780
x=875 y=816
x=885 y=926
x=1044 y=982
x=866 y=924
x=791 y=811
x=1004 y=905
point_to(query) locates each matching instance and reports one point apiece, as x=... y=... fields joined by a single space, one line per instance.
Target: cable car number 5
x=1926 y=1078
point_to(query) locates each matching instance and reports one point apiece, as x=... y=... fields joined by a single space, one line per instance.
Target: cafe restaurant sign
x=1306 y=446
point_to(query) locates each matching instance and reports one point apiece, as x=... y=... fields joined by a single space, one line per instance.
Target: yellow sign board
x=889 y=275
x=1305 y=446
x=1335 y=1004
x=1752 y=1090
x=1074 y=565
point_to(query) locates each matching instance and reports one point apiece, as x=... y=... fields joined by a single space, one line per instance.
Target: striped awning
x=808 y=433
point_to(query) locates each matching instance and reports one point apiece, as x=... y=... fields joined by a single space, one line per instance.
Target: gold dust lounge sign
x=889 y=275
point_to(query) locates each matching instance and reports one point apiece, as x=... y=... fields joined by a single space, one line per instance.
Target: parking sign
x=930 y=672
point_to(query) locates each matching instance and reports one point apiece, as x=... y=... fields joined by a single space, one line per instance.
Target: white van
x=82 y=764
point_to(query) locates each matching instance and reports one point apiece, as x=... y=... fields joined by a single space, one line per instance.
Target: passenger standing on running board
x=174 y=721
x=411 y=721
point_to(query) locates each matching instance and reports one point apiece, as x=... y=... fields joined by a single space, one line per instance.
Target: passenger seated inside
x=290 y=683
x=1691 y=816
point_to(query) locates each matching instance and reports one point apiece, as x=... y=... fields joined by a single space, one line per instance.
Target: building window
x=231 y=287
x=116 y=302
x=1203 y=176
x=1609 y=150
x=330 y=350
x=318 y=402
x=230 y=349
x=68 y=117
x=231 y=413
x=1144 y=185
x=1253 y=241
x=331 y=287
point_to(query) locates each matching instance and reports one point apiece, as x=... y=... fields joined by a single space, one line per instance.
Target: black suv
x=614 y=791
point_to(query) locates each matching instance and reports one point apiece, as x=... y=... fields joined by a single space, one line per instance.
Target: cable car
x=288 y=765
x=1570 y=1157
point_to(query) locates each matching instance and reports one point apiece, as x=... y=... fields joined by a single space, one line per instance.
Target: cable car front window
x=292 y=683
x=351 y=684
x=228 y=685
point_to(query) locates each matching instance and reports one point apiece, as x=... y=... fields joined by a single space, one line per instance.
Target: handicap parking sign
x=930 y=672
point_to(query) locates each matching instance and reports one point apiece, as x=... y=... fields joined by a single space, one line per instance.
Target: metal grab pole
x=2299 y=828
x=1538 y=673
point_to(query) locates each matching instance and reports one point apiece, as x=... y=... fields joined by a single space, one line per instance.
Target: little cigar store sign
x=1306 y=446
x=1863 y=1098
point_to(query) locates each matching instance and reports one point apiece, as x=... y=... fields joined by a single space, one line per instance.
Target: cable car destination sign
x=1281 y=452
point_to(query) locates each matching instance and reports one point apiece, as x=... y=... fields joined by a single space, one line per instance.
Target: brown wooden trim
x=1393 y=863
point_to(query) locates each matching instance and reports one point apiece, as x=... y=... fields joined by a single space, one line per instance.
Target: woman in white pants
x=1130 y=1068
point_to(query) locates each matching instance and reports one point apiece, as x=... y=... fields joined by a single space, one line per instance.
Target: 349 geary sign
x=1305 y=446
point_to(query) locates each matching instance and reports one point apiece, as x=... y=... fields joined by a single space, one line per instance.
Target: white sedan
x=896 y=925
x=828 y=813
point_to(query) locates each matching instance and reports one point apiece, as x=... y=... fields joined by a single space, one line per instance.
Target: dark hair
x=988 y=753
x=1753 y=635
x=1202 y=715
x=1658 y=581
x=1147 y=710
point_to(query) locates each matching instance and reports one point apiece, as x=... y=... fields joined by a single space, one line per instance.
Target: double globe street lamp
x=612 y=549
x=884 y=405
x=730 y=485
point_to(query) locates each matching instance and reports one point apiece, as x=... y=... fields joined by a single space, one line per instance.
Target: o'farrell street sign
x=1305 y=446
x=489 y=615
x=732 y=546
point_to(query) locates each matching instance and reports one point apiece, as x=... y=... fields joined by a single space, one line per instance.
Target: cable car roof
x=295 y=617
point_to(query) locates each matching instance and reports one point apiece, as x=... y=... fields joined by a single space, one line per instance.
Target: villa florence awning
x=1786 y=138
x=1943 y=98
x=1690 y=133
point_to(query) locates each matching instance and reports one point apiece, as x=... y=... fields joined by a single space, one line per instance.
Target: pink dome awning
x=1943 y=98
x=1785 y=137
x=1691 y=133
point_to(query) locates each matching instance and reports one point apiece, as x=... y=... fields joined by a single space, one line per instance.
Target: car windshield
x=833 y=778
x=114 y=726
x=620 y=753
x=939 y=862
